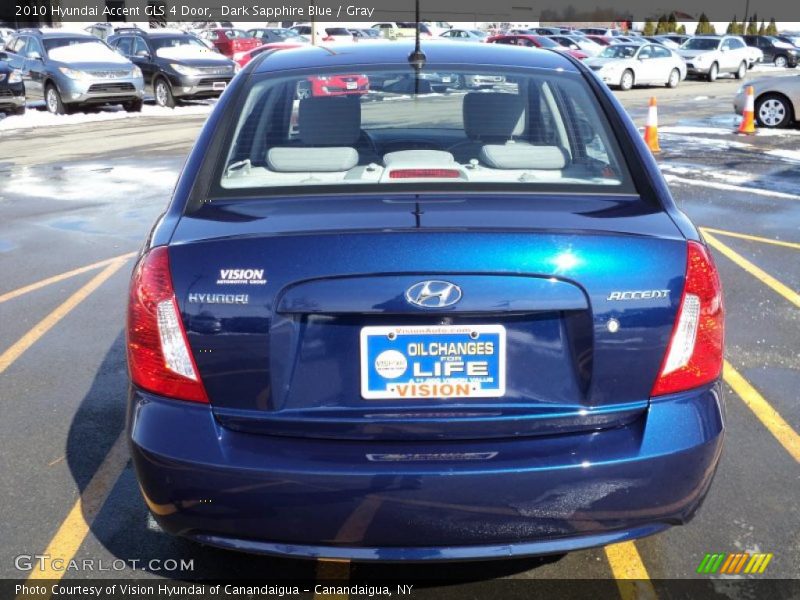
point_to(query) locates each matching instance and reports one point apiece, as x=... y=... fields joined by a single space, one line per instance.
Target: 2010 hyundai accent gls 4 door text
x=479 y=312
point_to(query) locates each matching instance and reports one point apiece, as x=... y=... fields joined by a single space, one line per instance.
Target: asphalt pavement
x=77 y=199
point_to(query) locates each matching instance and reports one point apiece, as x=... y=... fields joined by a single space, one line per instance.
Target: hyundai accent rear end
x=411 y=326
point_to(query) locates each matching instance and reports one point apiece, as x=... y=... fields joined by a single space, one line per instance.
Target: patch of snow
x=695 y=130
x=685 y=142
x=192 y=51
x=730 y=188
x=112 y=183
x=33 y=119
x=793 y=155
x=87 y=52
x=763 y=131
x=708 y=173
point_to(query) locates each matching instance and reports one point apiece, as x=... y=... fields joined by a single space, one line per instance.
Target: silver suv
x=708 y=56
x=68 y=70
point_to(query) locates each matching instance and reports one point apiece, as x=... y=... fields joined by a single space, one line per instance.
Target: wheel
x=626 y=81
x=674 y=78
x=163 y=93
x=53 y=100
x=780 y=61
x=773 y=110
x=713 y=72
x=741 y=71
x=133 y=106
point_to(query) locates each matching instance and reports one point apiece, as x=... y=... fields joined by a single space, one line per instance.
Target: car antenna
x=417 y=58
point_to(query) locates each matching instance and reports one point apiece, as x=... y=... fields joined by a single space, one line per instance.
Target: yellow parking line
x=61 y=277
x=769 y=417
x=755 y=271
x=633 y=581
x=74 y=529
x=752 y=238
x=332 y=572
x=26 y=341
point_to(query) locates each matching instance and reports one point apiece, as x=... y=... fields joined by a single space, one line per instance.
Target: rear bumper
x=424 y=500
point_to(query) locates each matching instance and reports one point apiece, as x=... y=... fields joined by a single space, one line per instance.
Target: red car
x=246 y=57
x=334 y=85
x=229 y=41
x=534 y=41
x=600 y=39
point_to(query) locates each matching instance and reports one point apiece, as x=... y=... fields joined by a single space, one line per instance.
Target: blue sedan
x=406 y=325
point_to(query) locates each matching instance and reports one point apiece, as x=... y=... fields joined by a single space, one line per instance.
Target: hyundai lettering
x=481 y=310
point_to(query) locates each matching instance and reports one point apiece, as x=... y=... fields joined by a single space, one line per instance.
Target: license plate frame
x=219 y=86
x=409 y=373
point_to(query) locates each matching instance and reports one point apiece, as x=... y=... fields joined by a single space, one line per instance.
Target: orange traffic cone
x=651 y=128
x=748 y=125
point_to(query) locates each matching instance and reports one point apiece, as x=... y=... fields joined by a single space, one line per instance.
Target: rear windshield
x=700 y=44
x=443 y=129
x=547 y=42
x=52 y=43
x=619 y=51
x=177 y=42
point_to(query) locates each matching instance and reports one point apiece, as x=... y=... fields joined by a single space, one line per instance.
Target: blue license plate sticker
x=428 y=362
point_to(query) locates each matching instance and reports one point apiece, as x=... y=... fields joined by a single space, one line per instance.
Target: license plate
x=352 y=85
x=439 y=361
x=446 y=79
x=219 y=85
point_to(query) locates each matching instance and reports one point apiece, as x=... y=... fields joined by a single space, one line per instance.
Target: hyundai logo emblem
x=433 y=294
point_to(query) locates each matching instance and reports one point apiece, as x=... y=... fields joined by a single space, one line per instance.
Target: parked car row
x=71 y=70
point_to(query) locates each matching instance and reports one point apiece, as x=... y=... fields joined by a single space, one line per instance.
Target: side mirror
x=143 y=54
x=34 y=55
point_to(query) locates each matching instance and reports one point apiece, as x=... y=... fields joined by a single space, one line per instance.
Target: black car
x=781 y=54
x=12 y=89
x=175 y=64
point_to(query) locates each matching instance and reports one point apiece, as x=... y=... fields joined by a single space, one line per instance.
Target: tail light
x=329 y=38
x=159 y=357
x=694 y=356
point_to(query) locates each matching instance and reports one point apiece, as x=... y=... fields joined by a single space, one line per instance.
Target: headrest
x=493 y=115
x=312 y=160
x=330 y=121
x=523 y=156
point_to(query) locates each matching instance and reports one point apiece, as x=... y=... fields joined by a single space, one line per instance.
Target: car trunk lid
x=276 y=297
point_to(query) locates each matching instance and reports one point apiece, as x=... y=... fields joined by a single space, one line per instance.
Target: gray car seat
x=495 y=124
x=329 y=130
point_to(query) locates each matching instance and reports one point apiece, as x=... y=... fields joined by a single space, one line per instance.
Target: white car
x=437 y=27
x=324 y=34
x=464 y=35
x=754 y=56
x=708 y=56
x=626 y=65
